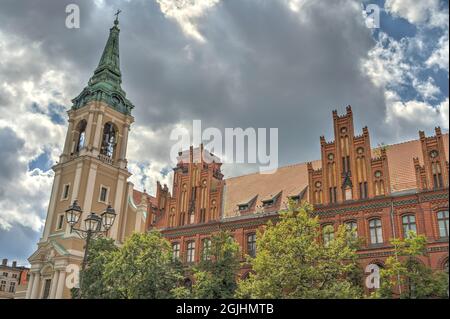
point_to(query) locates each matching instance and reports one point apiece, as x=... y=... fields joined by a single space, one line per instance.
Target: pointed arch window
x=109 y=140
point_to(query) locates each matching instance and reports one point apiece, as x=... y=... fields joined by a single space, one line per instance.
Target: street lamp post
x=94 y=226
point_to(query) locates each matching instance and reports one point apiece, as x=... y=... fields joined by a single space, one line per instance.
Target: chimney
x=4 y=262
x=14 y=264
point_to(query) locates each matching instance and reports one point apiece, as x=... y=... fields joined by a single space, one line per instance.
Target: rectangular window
x=60 y=222
x=443 y=224
x=175 y=251
x=376 y=231
x=14 y=276
x=65 y=192
x=409 y=224
x=5 y=274
x=190 y=252
x=328 y=234
x=47 y=285
x=351 y=228
x=206 y=252
x=12 y=287
x=251 y=245
x=103 y=194
x=3 y=285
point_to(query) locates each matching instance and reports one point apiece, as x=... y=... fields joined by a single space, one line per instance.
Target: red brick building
x=382 y=192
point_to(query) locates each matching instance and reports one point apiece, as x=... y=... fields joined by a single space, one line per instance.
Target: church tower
x=92 y=170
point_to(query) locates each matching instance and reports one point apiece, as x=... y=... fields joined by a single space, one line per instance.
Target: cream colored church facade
x=93 y=170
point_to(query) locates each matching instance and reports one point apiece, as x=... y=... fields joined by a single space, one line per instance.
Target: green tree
x=409 y=278
x=142 y=269
x=293 y=261
x=215 y=277
x=92 y=285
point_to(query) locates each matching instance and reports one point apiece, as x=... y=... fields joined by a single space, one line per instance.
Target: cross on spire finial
x=117 y=16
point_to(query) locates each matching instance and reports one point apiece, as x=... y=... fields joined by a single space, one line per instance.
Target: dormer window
x=268 y=203
x=243 y=207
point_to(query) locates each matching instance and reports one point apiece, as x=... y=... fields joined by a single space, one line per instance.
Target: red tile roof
x=291 y=180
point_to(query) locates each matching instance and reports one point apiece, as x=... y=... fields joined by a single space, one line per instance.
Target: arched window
x=81 y=135
x=109 y=141
x=190 y=252
x=328 y=234
x=409 y=224
x=443 y=223
x=251 y=244
x=376 y=231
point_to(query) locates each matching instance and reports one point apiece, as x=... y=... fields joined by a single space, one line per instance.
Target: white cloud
x=418 y=12
x=186 y=12
x=427 y=89
x=26 y=77
x=440 y=55
x=416 y=114
x=26 y=200
x=386 y=64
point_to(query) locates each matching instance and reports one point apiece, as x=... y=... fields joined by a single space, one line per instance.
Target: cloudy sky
x=230 y=63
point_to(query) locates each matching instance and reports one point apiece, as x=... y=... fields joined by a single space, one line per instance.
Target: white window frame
x=108 y=189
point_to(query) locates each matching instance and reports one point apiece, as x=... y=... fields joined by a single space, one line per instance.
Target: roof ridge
x=318 y=160
x=408 y=141
x=282 y=167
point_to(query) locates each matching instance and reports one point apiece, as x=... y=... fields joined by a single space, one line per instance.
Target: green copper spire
x=105 y=84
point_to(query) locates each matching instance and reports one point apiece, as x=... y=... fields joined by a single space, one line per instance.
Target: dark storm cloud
x=260 y=67
x=9 y=152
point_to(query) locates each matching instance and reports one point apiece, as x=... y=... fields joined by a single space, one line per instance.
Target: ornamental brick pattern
x=352 y=182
